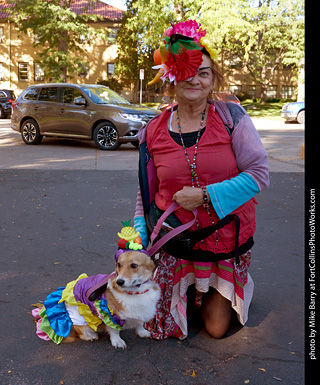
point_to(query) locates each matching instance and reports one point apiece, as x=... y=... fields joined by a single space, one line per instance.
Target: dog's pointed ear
x=151 y=264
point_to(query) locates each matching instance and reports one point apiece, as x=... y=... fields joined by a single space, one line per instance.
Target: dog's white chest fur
x=140 y=306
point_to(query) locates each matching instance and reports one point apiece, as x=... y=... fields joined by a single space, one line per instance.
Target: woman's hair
x=218 y=81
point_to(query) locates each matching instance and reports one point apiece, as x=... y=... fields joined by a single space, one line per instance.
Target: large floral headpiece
x=180 y=53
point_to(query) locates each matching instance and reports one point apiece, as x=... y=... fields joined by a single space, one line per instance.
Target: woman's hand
x=189 y=198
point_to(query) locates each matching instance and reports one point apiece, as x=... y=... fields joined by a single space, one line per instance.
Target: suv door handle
x=62 y=110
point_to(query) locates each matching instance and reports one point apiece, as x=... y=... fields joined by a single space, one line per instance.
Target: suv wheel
x=106 y=136
x=1 y=113
x=301 y=117
x=30 y=132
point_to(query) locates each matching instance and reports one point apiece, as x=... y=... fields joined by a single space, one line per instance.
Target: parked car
x=294 y=111
x=226 y=97
x=7 y=97
x=81 y=111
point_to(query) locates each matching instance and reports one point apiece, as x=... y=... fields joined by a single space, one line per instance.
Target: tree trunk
x=263 y=94
x=63 y=46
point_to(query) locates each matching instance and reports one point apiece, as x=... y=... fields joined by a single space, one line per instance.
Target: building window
x=38 y=73
x=235 y=89
x=271 y=92
x=113 y=34
x=84 y=70
x=36 y=38
x=110 y=69
x=252 y=91
x=1 y=71
x=23 y=69
x=287 y=92
x=84 y=39
x=1 y=34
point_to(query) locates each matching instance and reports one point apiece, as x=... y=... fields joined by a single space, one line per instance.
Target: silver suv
x=81 y=111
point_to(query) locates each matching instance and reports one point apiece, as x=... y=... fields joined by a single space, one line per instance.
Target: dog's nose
x=120 y=281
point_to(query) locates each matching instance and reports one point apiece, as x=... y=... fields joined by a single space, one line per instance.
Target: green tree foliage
x=58 y=34
x=139 y=36
x=258 y=35
x=262 y=35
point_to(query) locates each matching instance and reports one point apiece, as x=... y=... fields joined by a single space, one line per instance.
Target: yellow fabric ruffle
x=68 y=296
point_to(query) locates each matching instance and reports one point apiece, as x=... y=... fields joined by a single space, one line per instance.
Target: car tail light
x=13 y=103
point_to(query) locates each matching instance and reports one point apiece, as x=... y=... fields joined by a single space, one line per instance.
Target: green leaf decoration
x=126 y=223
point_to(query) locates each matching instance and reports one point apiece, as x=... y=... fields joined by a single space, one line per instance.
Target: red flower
x=184 y=65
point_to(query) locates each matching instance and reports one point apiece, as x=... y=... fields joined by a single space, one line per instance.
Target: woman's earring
x=171 y=98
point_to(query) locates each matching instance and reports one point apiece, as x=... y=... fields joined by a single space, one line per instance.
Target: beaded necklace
x=193 y=165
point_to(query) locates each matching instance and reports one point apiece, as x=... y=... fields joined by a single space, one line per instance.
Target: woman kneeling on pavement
x=195 y=160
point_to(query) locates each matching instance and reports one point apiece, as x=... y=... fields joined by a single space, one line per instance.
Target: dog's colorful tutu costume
x=56 y=317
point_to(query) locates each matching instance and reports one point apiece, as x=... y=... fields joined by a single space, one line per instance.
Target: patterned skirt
x=175 y=276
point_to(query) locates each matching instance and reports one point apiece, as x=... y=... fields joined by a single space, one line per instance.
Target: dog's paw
x=143 y=333
x=118 y=343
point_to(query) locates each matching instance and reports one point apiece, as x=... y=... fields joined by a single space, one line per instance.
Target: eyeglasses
x=203 y=73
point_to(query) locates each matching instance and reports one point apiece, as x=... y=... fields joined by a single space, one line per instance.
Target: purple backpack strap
x=153 y=248
x=98 y=288
x=224 y=113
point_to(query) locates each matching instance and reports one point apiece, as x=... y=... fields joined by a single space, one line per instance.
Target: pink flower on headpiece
x=189 y=28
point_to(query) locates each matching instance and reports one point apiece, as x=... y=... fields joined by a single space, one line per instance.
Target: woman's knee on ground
x=216 y=314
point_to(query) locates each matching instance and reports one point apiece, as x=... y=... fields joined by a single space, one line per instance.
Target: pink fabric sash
x=152 y=249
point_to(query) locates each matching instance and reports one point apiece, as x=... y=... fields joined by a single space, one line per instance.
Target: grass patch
x=254 y=109
x=267 y=110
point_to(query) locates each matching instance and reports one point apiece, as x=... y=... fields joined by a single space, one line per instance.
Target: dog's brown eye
x=133 y=265
x=119 y=265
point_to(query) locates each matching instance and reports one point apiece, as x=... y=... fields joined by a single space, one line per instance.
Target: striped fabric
x=176 y=275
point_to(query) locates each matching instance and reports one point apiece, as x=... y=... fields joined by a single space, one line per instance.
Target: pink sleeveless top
x=215 y=163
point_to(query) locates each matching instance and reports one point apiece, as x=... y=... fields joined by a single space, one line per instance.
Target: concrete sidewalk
x=57 y=224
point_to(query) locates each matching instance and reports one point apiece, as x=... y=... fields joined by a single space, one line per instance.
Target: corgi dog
x=129 y=300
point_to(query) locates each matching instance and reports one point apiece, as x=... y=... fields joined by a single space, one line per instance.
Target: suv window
x=31 y=94
x=3 y=94
x=70 y=94
x=48 y=94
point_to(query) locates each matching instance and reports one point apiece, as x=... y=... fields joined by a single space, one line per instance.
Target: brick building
x=19 y=67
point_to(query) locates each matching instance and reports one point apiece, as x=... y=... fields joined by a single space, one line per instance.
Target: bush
x=243 y=96
x=273 y=100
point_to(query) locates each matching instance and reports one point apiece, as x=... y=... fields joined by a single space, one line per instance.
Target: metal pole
x=141 y=78
x=141 y=91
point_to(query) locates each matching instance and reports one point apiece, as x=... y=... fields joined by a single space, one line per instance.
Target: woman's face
x=199 y=87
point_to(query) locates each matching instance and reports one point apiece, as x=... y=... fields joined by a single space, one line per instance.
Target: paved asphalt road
x=61 y=204
x=282 y=141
